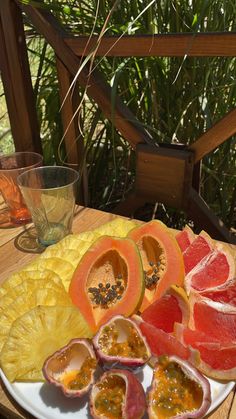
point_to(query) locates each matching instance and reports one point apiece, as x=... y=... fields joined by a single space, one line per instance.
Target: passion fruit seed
x=106 y=294
x=175 y=392
x=151 y=276
x=83 y=377
x=110 y=396
x=133 y=347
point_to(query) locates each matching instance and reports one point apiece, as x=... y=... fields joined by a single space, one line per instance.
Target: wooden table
x=12 y=260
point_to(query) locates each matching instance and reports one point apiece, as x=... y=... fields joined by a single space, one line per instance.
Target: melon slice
x=218 y=360
x=108 y=281
x=197 y=250
x=213 y=270
x=161 y=258
x=215 y=319
x=225 y=293
x=172 y=307
x=185 y=238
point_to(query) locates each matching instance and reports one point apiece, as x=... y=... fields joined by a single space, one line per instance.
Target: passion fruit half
x=178 y=390
x=118 y=394
x=120 y=342
x=72 y=368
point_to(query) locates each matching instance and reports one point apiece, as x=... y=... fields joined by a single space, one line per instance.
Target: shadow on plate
x=53 y=397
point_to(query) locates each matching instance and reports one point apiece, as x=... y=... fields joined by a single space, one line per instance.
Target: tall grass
x=177 y=99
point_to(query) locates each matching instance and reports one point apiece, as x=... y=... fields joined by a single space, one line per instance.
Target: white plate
x=47 y=402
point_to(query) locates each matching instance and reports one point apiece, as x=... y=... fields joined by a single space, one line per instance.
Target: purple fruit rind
x=135 y=399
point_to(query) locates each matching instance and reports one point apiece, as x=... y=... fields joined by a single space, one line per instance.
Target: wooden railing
x=155 y=165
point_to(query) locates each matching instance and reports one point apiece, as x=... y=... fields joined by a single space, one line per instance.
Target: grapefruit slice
x=217 y=361
x=162 y=343
x=198 y=249
x=215 y=319
x=213 y=270
x=172 y=307
x=185 y=238
x=225 y=293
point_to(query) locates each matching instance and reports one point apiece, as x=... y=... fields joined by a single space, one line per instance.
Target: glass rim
x=51 y=168
x=17 y=153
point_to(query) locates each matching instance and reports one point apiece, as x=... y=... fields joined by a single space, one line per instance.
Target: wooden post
x=74 y=144
x=17 y=80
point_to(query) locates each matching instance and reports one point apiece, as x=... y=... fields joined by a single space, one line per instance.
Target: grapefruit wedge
x=198 y=249
x=213 y=270
x=172 y=307
x=185 y=238
x=225 y=293
x=217 y=359
x=162 y=343
x=215 y=319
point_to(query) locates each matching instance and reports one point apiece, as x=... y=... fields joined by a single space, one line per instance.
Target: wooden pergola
x=166 y=173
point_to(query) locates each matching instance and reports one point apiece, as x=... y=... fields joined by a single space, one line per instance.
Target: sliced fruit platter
x=125 y=321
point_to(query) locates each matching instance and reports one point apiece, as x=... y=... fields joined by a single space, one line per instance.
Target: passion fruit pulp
x=118 y=394
x=178 y=390
x=121 y=342
x=72 y=368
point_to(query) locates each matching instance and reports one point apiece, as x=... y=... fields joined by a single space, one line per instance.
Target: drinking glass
x=50 y=194
x=11 y=166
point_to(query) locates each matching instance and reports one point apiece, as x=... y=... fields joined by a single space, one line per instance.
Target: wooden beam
x=97 y=88
x=215 y=136
x=205 y=219
x=220 y=44
x=17 y=80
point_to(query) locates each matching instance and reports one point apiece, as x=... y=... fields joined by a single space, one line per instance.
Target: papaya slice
x=161 y=257
x=108 y=281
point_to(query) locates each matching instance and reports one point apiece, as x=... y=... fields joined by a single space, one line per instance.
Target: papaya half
x=161 y=258
x=108 y=280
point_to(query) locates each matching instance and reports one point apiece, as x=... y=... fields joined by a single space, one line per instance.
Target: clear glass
x=11 y=166
x=50 y=194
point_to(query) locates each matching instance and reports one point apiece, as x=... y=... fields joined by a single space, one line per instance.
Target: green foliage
x=176 y=99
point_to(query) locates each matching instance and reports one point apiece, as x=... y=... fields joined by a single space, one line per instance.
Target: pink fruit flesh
x=178 y=390
x=72 y=368
x=119 y=394
x=197 y=250
x=185 y=238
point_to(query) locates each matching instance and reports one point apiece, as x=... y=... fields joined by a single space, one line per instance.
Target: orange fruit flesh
x=109 y=400
x=174 y=393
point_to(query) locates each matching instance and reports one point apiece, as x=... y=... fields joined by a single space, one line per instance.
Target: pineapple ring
x=18 y=277
x=69 y=255
x=61 y=267
x=25 y=302
x=37 y=334
x=26 y=287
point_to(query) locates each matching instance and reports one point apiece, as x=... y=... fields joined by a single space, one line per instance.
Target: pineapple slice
x=26 y=287
x=18 y=277
x=36 y=335
x=50 y=297
x=25 y=302
x=118 y=227
x=61 y=267
x=70 y=255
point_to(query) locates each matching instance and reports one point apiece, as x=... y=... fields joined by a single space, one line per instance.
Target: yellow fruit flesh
x=174 y=393
x=35 y=336
x=133 y=347
x=110 y=398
